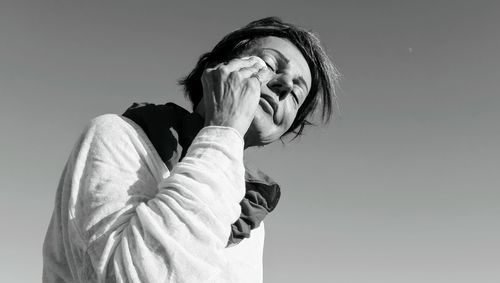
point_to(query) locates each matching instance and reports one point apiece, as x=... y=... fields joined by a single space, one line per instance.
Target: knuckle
x=253 y=83
x=251 y=58
x=236 y=76
x=207 y=71
x=224 y=70
x=237 y=60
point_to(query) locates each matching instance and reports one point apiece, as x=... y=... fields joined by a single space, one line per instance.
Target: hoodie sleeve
x=133 y=228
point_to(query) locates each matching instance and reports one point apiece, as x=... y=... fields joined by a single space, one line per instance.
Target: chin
x=262 y=131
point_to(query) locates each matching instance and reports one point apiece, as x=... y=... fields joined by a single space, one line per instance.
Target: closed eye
x=295 y=97
x=270 y=67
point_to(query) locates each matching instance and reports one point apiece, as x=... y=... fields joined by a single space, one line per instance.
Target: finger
x=260 y=63
x=261 y=75
x=257 y=60
x=253 y=85
x=264 y=75
x=256 y=78
x=209 y=92
x=247 y=72
x=239 y=63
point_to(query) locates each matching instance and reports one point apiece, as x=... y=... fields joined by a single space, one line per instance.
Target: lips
x=270 y=103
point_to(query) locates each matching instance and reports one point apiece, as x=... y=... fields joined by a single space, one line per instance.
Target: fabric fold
x=171 y=129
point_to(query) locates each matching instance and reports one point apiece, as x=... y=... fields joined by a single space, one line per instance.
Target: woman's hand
x=231 y=93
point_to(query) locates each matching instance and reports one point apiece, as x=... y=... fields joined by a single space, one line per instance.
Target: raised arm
x=134 y=232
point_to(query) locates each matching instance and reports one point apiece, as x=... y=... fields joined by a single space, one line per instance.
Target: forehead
x=296 y=61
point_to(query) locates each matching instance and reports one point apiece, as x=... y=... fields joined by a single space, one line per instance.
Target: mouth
x=268 y=103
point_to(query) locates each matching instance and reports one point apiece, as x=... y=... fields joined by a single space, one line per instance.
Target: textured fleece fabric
x=122 y=216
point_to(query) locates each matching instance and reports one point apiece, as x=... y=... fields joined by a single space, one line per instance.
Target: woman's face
x=283 y=90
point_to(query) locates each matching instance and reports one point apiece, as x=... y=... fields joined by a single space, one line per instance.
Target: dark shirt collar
x=171 y=129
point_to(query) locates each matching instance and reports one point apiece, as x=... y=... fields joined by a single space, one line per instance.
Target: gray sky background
x=404 y=187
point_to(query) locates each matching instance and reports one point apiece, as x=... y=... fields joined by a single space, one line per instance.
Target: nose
x=281 y=84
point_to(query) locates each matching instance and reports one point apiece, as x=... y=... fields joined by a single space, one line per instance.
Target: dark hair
x=324 y=75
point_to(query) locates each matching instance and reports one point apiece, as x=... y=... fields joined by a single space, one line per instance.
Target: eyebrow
x=284 y=58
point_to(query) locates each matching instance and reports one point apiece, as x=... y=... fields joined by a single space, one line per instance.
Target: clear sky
x=403 y=187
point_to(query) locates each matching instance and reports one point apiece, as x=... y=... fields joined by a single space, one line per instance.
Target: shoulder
x=118 y=138
x=113 y=128
x=112 y=134
x=107 y=124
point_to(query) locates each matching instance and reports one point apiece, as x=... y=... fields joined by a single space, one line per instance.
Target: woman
x=162 y=195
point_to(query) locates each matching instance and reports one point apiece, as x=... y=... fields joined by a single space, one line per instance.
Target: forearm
x=180 y=232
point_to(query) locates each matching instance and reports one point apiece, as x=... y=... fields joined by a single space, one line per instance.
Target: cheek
x=289 y=113
x=263 y=119
x=265 y=130
x=265 y=124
